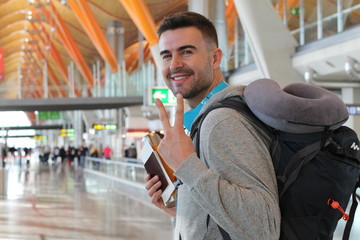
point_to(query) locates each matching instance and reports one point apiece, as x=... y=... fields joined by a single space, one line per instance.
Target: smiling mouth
x=180 y=78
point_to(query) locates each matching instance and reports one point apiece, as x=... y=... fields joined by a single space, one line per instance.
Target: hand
x=176 y=146
x=153 y=185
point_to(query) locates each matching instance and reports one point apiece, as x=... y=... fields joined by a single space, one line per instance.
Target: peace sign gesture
x=176 y=146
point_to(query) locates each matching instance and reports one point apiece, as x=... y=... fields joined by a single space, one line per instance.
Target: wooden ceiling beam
x=33 y=75
x=53 y=51
x=93 y=30
x=52 y=76
x=142 y=18
x=70 y=45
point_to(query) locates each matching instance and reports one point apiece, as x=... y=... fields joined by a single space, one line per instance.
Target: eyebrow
x=178 y=49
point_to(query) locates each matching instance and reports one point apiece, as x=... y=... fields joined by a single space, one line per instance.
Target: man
x=232 y=185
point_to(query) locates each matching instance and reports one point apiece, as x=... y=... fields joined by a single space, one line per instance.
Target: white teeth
x=179 y=78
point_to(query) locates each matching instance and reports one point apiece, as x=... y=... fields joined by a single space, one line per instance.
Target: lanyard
x=190 y=115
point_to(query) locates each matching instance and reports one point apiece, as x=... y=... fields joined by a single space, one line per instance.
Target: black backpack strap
x=195 y=128
x=354 y=204
x=304 y=155
x=275 y=153
x=237 y=105
x=262 y=129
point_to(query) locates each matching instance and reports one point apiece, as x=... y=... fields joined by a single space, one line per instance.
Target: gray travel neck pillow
x=297 y=108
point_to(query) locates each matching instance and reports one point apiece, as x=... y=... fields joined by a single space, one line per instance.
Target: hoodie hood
x=219 y=96
x=226 y=93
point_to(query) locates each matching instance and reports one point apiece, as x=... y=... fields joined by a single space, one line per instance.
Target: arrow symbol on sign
x=160 y=95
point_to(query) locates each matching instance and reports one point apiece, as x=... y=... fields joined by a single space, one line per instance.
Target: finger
x=164 y=118
x=155 y=192
x=154 y=188
x=179 y=115
x=156 y=200
x=151 y=181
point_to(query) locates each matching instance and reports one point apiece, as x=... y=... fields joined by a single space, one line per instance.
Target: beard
x=200 y=82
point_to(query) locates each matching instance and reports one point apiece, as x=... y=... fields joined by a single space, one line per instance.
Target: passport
x=153 y=165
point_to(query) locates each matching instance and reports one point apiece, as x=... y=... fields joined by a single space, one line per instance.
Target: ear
x=217 y=56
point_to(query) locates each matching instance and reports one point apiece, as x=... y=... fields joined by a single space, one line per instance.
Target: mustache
x=187 y=71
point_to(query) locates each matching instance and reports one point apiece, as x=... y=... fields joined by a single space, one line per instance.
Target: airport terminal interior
x=78 y=80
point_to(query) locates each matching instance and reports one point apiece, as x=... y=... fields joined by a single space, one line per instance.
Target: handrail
x=328 y=18
x=116 y=162
x=128 y=173
x=128 y=178
x=311 y=75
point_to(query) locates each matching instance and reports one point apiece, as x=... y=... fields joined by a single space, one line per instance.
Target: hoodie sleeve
x=234 y=181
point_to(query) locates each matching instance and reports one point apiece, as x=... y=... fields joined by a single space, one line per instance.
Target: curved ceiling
x=61 y=32
x=39 y=31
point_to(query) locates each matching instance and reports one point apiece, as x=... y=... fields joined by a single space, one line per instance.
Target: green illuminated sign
x=295 y=11
x=49 y=115
x=67 y=132
x=164 y=94
x=100 y=126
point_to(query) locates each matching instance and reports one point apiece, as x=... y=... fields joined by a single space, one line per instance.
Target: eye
x=166 y=56
x=187 y=52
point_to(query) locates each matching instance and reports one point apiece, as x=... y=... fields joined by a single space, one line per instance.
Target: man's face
x=187 y=62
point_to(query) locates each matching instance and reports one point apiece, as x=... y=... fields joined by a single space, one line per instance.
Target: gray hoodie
x=233 y=181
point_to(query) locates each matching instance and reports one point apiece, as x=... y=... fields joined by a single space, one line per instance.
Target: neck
x=191 y=115
x=217 y=78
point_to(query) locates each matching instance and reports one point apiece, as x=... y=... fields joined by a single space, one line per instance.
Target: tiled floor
x=60 y=202
x=57 y=202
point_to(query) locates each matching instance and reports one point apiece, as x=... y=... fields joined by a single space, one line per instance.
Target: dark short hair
x=189 y=19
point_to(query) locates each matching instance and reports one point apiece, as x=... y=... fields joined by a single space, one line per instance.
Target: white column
x=236 y=44
x=155 y=52
x=77 y=128
x=121 y=78
x=270 y=41
x=217 y=16
x=122 y=128
x=201 y=7
x=109 y=76
x=98 y=79
x=352 y=96
x=94 y=73
x=319 y=19
x=118 y=149
x=45 y=79
x=141 y=50
x=19 y=75
x=285 y=12
x=340 y=20
x=71 y=74
x=302 y=22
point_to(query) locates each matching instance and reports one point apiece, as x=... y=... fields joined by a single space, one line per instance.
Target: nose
x=176 y=63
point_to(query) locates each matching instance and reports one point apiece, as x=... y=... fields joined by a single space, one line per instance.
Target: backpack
x=317 y=172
